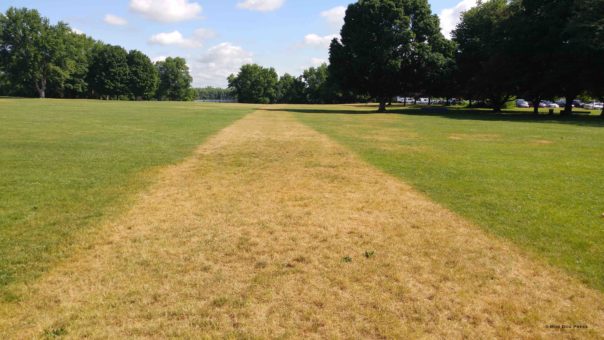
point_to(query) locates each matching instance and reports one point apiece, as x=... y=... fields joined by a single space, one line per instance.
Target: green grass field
x=66 y=165
x=536 y=181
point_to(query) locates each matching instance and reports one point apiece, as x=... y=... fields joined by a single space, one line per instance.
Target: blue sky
x=216 y=36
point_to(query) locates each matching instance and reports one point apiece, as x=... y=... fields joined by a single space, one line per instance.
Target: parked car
x=548 y=104
x=593 y=106
x=552 y=105
x=521 y=103
x=407 y=100
x=576 y=103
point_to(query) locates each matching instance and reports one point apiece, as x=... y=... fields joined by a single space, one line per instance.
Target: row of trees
x=211 y=93
x=535 y=49
x=44 y=60
x=257 y=84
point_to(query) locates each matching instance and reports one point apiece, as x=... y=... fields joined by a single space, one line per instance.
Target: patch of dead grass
x=245 y=239
x=542 y=142
x=479 y=137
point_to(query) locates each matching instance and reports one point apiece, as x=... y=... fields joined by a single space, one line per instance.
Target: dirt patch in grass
x=475 y=137
x=542 y=142
x=245 y=239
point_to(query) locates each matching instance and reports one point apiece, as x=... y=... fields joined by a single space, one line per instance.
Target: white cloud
x=220 y=61
x=450 y=17
x=318 y=61
x=176 y=38
x=167 y=10
x=115 y=20
x=159 y=58
x=261 y=5
x=77 y=31
x=335 y=16
x=319 y=41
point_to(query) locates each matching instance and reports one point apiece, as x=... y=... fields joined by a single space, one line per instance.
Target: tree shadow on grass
x=578 y=118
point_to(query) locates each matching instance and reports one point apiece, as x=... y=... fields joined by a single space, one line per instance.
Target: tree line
x=261 y=85
x=536 y=49
x=39 y=59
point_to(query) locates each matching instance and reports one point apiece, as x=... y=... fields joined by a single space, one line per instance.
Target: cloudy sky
x=218 y=36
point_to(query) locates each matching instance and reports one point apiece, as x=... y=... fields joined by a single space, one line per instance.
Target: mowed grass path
x=536 y=181
x=66 y=165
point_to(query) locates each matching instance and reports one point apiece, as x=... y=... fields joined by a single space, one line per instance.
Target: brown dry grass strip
x=247 y=239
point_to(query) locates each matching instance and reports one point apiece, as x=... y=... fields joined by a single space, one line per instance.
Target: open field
x=537 y=181
x=273 y=230
x=289 y=222
x=66 y=165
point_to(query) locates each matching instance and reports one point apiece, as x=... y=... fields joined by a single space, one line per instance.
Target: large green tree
x=109 y=75
x=143 y=75
x=367 y=59
x=389 y=47
x=255 y=84
x=318 y=89
x=533 y=30
x=580 y=57
x=484 y=62
x=174 y=80
x=80 y=49
x=32 y=51
x=291 y=90
x=427 y=56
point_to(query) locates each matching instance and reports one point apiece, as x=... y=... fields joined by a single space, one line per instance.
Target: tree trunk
x=382 y=108
x=405 y=101
x=536 y=102
x=429 y=100
x=568 y=108
x=41 y=88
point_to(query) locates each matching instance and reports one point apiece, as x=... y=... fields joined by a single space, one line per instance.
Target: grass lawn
x=536 y=181
x=66 y=165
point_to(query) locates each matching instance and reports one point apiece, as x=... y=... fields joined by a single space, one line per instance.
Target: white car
x=521 y=103
x=548 y=104
x=593 y=106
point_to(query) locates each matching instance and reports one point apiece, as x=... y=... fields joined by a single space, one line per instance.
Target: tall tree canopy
x=109 y=74
x=484 y=60
x=367 y=59
x=534 y=29
x=143 y=75
x=174 y=80
x=40 y=59
x=32 y=52
x=580 y=57
x=291 y=90
x=388 y=47
x=319 y=89
x=255 y=84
